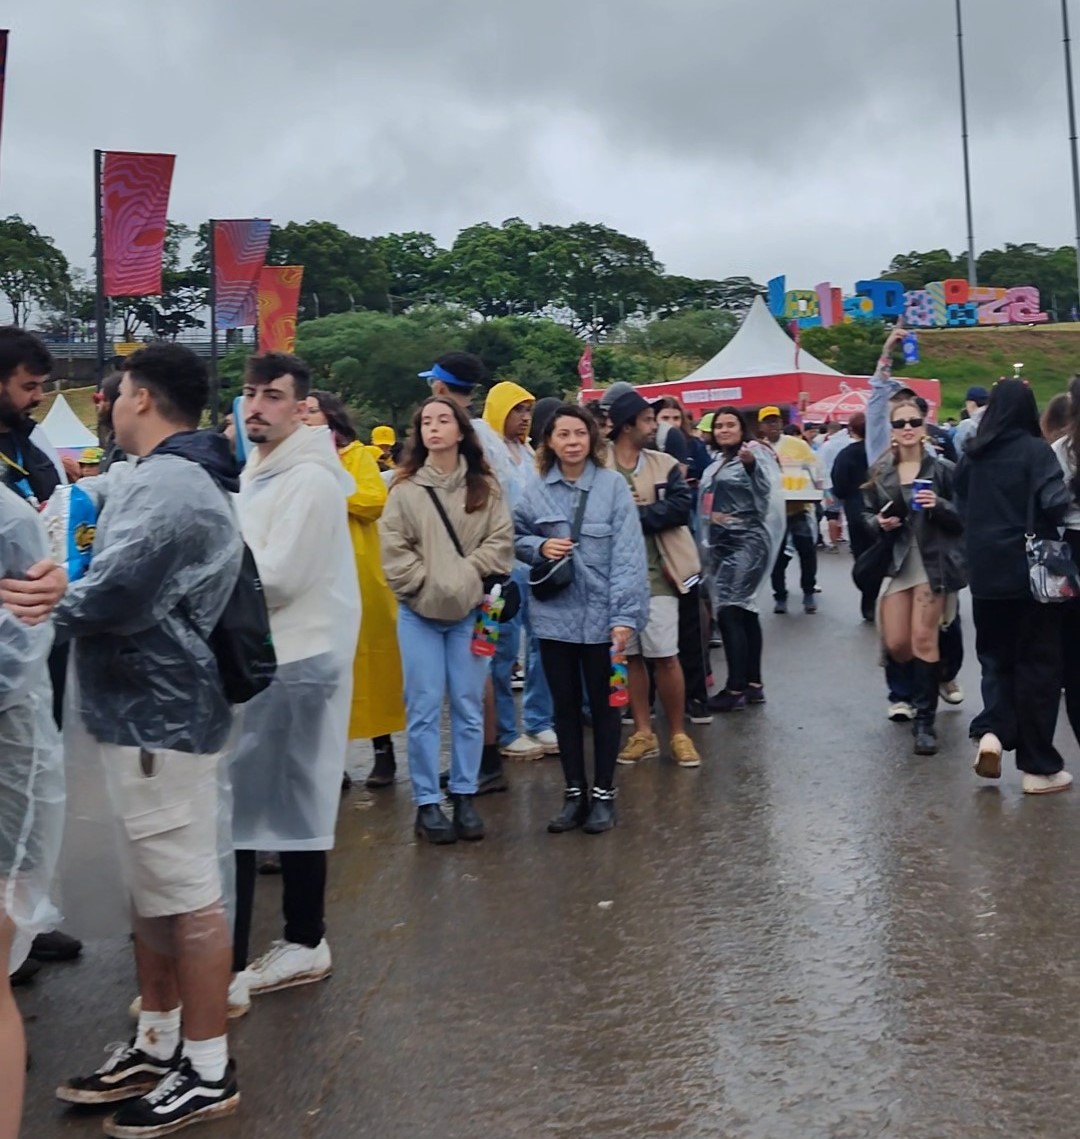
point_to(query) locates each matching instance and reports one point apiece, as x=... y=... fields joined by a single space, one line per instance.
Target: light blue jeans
x=537 y=712
x=436 y=660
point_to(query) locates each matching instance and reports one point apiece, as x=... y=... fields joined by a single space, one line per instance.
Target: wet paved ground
x=814 y=935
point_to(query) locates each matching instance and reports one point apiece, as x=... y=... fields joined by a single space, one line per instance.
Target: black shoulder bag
x=511 y=595
x=552 y=575
x=1051 y=569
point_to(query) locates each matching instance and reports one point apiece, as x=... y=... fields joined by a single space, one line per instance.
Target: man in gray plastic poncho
x=31 y=787
x=147 y=699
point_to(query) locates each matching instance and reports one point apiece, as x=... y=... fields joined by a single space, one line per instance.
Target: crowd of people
x=594 y=545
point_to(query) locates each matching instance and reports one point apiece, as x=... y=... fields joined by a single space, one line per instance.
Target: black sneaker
x=55 y=946
x=699 y=712
x=127 y=1074
x=183 y=1097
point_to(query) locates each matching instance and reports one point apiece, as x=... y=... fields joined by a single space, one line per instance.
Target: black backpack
x=241 y=641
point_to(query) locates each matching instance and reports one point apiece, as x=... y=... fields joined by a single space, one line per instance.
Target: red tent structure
x=760 y=366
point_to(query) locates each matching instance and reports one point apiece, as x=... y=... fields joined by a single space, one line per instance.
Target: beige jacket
x=421 y=565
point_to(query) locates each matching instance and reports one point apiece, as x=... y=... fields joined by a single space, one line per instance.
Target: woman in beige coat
x=439 y=590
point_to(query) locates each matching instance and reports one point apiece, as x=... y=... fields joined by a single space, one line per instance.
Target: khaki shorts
x=167 y=802
x=660 y=637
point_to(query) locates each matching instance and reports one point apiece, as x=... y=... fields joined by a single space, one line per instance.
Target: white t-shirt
x=1068 y=465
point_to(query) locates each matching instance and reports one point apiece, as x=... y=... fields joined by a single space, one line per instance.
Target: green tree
x=493 y=270
x=32 y=270
x=692 y=337
x=342 y=273
x=414 y=264
x=852 y=348
x=733 y=294
x=1051 y=271
x=916 y=270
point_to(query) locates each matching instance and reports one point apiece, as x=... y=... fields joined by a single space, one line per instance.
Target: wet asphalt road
x=814 y=935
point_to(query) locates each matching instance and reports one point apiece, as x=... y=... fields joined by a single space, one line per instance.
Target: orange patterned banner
x=279 y=297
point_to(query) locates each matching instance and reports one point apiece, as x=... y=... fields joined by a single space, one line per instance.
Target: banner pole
x=99 y=270
x=215 y=386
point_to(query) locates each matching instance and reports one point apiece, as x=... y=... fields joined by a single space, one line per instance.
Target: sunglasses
x=900 y=424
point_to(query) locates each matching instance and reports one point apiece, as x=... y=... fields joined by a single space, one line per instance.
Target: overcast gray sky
x=735 y=136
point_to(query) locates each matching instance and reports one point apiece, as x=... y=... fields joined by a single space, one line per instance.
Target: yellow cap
x=383 y=436
x=768 y=412
x=92 y=455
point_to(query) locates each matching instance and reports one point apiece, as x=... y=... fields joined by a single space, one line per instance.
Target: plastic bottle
x=486 y=630
x=619 y=696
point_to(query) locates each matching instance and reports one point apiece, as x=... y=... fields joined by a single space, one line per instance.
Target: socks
x=208 y=1057
x=159 y=1033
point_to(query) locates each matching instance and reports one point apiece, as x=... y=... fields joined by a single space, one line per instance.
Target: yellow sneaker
x=641 y=745
x=682 y=748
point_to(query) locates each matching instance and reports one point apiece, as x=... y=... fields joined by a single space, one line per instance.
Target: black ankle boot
x=602 y=812
x=574 y=812
x=491 y=778
x=434 y=826
x=467 y=823
x=925 y=700
x=382 y=774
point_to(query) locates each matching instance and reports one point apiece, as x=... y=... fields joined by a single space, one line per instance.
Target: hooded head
x=1010 y=411
x=541 y=413
x=504 y=398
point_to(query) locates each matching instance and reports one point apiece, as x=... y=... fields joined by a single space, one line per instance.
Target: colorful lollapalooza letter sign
x=942 y=304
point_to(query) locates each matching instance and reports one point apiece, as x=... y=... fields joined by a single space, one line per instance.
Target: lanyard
x=22 y=485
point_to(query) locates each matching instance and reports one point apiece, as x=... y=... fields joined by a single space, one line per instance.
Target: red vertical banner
x=3 y=73
x=585 y=368
x=134 y=207
x=279 y=299
x=239 y=255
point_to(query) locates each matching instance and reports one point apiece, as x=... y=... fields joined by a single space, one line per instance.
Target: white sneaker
x=988 y=760
x=901 y=712
x=951 y=692
x=286 y=965
x=523 y=748
x=548 y=740
x=239 y=999
x=1047 y=784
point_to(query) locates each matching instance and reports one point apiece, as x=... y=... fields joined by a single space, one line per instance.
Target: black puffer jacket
x=939 y=532
x=996 y=488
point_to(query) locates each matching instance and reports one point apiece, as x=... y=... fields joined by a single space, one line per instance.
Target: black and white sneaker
x=182 y=1098
x=128 y=1073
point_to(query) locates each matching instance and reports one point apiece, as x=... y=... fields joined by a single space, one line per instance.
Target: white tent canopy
x=759 y=348
x=64 y=429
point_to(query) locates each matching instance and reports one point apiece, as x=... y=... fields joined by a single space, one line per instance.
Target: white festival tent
x=65 y=430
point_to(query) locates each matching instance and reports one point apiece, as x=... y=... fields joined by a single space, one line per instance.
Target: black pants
x=303 y=875
x=1070 y=644
x=58 y=662
x=692 y=646
x=860 y=540
x=741 y=631
x=800 y=532
x=1019 y=647
x=566 y=665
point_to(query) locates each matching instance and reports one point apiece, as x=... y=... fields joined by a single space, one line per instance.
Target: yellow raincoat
x=378 y=703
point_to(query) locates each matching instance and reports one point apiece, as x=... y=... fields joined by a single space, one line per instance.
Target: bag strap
x=1029 y=534
x=579 y=516
x=446 y=520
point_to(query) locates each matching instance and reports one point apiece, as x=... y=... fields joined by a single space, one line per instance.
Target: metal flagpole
x=967 y=159
x=215 y=393
x=99 y=268
x=1072 y=134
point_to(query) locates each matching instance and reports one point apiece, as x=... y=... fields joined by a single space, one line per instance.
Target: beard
x=11 y=417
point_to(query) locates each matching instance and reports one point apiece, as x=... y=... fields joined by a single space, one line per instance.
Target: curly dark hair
x=545 y=456
x=477 y=472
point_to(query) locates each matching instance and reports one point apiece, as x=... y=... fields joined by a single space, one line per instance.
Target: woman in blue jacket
x=607 y=600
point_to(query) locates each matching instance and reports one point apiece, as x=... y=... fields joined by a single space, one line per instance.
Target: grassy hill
x=81 y=401
x=961 y=357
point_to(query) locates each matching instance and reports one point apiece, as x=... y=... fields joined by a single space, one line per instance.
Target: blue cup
x=916 y=486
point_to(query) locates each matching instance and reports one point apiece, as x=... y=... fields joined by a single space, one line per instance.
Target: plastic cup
x=916 y=486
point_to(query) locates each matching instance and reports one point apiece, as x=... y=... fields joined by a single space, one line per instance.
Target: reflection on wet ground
x=815 y=935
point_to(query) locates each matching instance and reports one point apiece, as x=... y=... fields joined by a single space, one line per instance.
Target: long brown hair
x=545 y=456
x=670 y=403
x=477 y=472
x=337 y=417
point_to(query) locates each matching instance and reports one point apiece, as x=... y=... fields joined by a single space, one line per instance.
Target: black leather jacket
x=939 y=532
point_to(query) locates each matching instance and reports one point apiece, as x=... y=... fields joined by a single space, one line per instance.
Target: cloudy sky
x=735 y=136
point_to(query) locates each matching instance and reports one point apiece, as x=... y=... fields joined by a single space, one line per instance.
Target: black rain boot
x=491 y=778
x=433 y=825
x=385 y=768
x=602 y=812
x=467 y=823
x=925 y=676
x=574 y=812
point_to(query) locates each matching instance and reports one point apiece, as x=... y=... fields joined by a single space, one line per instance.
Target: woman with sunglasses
x=909 y=502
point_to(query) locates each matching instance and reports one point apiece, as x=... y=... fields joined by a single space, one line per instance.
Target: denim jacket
x=611 y=583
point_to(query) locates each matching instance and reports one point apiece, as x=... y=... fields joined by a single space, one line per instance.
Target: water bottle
x=486 y=630
x=619 y=696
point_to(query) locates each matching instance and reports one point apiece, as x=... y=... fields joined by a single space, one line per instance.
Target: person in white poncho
x=287 y=768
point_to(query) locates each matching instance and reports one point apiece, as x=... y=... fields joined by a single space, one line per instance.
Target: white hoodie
x=294 y=517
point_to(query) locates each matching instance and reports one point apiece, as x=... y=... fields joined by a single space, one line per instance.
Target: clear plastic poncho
x=741 y=524
x=31 y=758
